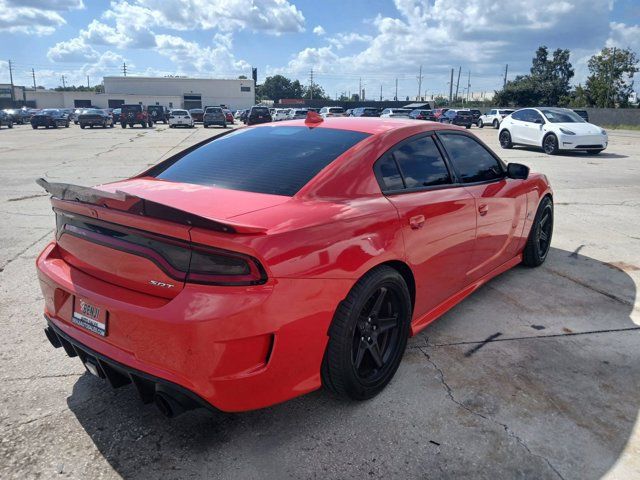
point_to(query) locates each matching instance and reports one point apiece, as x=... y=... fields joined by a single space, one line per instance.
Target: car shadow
x=579 y=154
x=534 y=376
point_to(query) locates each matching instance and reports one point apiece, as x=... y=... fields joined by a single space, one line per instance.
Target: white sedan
x=395 y=113
x=180 y=118
x=552 y=129
x=281 y=114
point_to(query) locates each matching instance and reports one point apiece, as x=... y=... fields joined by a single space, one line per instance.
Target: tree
x=611 y=77
x=547 y=83
x=278 y=87
x=242 y=77
x=318 y=92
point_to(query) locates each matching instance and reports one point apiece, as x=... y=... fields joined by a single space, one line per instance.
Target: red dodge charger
x=269 y=261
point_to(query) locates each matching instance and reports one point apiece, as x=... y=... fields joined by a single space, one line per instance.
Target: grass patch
x=620 y=127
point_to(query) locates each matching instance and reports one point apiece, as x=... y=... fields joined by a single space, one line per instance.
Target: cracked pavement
x=535 y=376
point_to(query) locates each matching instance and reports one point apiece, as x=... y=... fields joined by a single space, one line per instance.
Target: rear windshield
x=260 y=111
x=336 y=110
x=213 y=110
x=132 y=108
x=464 y=113
x=179 y=112
x=274 y=160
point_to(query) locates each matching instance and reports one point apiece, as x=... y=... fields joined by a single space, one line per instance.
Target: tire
x=82 y=126
x=66 y=125
x=91 y=126
x=205 y=125
x=467 y=126
x=496 y=124
x=123 y=125
x=352 y=340
x=104 y=124
x=111 y=125
x=539 y=241
x=505 y=139
x=10 y=125
x=144 y=124
x=550 y=144
x=480 y=124
x=35 y=127
x=55 y=125
x=224 y=125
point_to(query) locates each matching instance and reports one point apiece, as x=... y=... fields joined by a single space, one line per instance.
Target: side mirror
x=517 y=171
x=539 y=121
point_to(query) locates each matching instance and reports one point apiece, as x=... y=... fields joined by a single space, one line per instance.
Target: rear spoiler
x=128 y=203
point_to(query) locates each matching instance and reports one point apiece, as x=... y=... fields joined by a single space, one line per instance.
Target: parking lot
x=536 y=375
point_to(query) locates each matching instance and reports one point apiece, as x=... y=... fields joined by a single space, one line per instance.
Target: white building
x=173 y=92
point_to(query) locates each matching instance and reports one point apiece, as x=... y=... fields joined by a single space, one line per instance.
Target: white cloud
x=74 y=50
x=37 y=17
x=318 y=30
x=271 y=16
x=624 y=36
x=342 y=39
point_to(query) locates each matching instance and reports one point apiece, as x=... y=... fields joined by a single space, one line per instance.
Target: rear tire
x=539 y=241
x=10 y=125
x=82 y=126
x=496 y=124
x=505 y=139
x=368 y=335
x=123 y=125
x=480 y=124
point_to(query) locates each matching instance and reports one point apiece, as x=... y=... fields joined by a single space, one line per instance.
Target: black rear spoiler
x=126 y=202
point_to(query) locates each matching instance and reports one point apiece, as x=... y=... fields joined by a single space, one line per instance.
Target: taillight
x=222 y=267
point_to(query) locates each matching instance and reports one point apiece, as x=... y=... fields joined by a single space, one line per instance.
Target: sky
x=345 y=42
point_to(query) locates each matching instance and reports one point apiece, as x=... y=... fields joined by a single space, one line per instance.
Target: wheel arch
x=405 y=271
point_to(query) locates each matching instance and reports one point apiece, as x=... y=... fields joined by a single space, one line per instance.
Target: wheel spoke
x=374 y=350
x=543 y=235
x=378 y=303
x=544 y=219
x=384 y=324
x=362 y=348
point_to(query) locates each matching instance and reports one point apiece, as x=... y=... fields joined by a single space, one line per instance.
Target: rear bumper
x=237 y=348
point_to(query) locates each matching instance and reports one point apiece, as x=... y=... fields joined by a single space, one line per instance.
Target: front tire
x=505 y=139
x=82 y=126
x=368 y=335
x=480 y=124
x=123 y=125
x=550 y=144
x=539 y=241
x=496 y=124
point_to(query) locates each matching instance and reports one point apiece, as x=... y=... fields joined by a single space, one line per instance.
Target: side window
x=492 y=112
x=387 y=172
x=421 y=164
x=470 y=159
x=519 y=115
x=533 y=116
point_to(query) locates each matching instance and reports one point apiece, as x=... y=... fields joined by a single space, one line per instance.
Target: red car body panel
x=246 y=347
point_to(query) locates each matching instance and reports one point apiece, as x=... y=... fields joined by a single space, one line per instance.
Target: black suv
x=132 y=114
x=462 y=118
x=258 y=115
x=476 y=115
x=158 y=114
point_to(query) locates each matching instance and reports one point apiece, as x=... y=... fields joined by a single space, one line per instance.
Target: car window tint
x=470 y=159
x=387 y=172
x=421 y=164
x=519 y=115
x=278 y=161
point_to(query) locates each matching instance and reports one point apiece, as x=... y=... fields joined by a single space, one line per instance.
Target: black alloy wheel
x=368 y=335
x=539 y=241
x=550 y=144
x=505 y=139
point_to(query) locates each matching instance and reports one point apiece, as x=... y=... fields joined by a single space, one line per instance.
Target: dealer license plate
x=89 y=317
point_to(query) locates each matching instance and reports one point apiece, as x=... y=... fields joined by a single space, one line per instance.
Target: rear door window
x=277 y=161
x=472 y=161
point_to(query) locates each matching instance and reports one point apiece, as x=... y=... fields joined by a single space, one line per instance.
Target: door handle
x=416 y=222
x=483 y=209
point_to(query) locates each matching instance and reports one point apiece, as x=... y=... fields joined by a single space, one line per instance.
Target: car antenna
x=313 y=117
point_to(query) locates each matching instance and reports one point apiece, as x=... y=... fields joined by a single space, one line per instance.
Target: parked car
x=76 y=113
x=332 y=112
x=419 y=114
x=462 y=118
x=91 y=117
x=297 y=113
x=583 y=113
x=493 y=117
x=116 y=115
x=553 y=130
x=18 y=116
x=395 y=113
x=258 y=115
x=214 y=116
x=50 y=117
x=158 y=114
x=243 y=116
x=134 y=114
x=237 y=114
x=240 y=284
x=5 y=119
x=365 y=112
x=281 y=114
x=438 y=112
x=228 y=115
x=180 y=118
x=197 y=114
x=349 y=112
x=475 y=114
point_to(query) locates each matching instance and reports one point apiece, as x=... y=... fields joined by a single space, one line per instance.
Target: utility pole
x=506 y=70
x=419 y=83
x=33 y=74
x=311 y=84
x=613 y=60
x=380 y=92
x=468 y=84
x=360 y=89
x=13 y=98
x=88 y=84
x=451 y=88
x=396 y=97
x=64 y=85
x=124 y=68
x=455 y=99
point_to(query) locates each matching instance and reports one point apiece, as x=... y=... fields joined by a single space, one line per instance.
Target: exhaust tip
x=164 y=405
